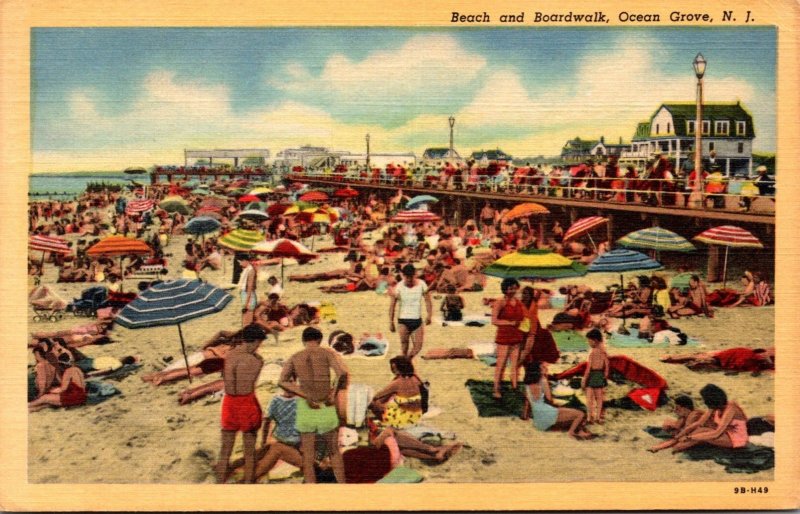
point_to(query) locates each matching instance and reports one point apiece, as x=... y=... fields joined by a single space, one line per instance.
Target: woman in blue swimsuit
x=545 y=415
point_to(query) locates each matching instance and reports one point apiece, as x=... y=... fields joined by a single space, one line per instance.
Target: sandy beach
x=145 y=436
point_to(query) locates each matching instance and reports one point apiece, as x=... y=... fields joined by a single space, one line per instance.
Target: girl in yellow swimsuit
x=399 y=404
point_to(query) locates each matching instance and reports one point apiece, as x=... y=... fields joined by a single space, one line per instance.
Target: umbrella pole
x=623 y=329
x=121 y=275
x=592 y=241
x=185 y=358
x=41 y=266
x=725 y=268
x=281 y=271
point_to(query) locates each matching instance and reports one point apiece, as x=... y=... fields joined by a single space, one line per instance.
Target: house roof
x=579 y=145
x=492 y=155
x=642 y=131
x=436 y=153
x=686 y=111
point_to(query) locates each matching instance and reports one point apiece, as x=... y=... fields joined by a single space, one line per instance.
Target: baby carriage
x=46 y=304
x=91 y=299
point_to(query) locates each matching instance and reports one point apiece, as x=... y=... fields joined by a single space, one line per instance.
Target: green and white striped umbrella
x=656 y=238
x=241 y=240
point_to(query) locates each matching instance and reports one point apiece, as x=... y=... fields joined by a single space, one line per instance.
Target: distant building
x=727 y=130
x=308 y=157
x=439 y=156
x=578 y=150
x=262 y=154
x=484 y=157
x=379 y=160
x=603 y=149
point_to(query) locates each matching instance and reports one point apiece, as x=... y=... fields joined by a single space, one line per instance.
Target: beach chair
x=91 y=299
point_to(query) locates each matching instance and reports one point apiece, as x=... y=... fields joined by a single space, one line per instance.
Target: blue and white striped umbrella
x=173 y=303
x=622 y=260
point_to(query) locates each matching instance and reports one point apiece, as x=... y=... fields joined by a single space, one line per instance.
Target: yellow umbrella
x=260 y=191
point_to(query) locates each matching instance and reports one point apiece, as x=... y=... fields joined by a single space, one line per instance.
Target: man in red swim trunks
x=240 y=409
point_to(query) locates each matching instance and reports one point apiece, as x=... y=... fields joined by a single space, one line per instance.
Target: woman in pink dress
x=724 y=424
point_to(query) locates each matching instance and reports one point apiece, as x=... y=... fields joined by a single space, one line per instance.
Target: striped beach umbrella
x=119 y=246
x=621 y=260
x=139 y=206
x=728 y=236
x=258 y=191
x=173 y=303
x=534 y=263
x=584 y=226
x=420 y=201
x=202 y=225
x=253 y=214
x=414 y=216
x=656 y=238
x=241 y=240
x=347 y=192
x=283 y=248
x=49 y=244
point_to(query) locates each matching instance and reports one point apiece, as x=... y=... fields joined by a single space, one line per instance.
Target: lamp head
x=699 y=66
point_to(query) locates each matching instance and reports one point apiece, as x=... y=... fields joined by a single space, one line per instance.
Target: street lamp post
x=699 y=65
x=369 y=168
x=452 y=122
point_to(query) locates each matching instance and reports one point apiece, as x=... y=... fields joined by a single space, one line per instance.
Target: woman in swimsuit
x=507 y=316
x=399 y=404
x=71 y=392
x=545 y=415
x=723 y=425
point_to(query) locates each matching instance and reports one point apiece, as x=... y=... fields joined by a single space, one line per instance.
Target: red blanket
x=628 y=368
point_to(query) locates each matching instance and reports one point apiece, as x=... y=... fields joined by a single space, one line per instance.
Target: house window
x=657 y=128
x=669 y=127
x=741 y=128
x=741 y=147
x=711 y=146
x=706 y=127
x=721 y=128
x=690 y=127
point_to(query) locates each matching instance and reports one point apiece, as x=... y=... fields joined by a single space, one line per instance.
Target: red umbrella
x=48 y=244
x=415 y=216
x=139 y=206
x=276 y=209
x=584 y=226
x=347 y=192
x=314 y=196
x=728 y=236
x=249 y=198
x=284 y=248
x=119 y=246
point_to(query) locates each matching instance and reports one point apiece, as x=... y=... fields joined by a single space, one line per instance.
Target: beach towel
x=632 y=340
x=750 y=459
x=570 y=341
x=366 y=465
x=449 y=353
x=98 y=392
x=401 y=475
x=359 y=397
x=481 y=393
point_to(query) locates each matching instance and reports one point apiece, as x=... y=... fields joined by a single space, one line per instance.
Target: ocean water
x=68 y=185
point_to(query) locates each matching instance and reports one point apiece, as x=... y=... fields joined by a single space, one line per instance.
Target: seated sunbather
x=694 y=303
x=638 y=302
x=723 y=425
x=272 y=315
x=733 y=359
x=71 y=392
x=687 y=417
x=410 y=446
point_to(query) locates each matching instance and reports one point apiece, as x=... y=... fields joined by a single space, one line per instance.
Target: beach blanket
x=472 y=320
x=481 y=393
x=750 y=459
x=366 y=465
x=632 y=340
x=98 y=391
x=570 y=341
x=401 y=475
x=124 y=371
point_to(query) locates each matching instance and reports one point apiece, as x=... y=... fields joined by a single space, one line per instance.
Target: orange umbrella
x=524 y=210
x=119 y=246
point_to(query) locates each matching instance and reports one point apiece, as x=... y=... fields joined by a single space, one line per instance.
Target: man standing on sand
x=248 y=281
x=409 y=293
x=307 y=375
x=240 y=409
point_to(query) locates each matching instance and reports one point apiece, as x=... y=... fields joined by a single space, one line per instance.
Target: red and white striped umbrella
x=583 y=226
x=314 y=196
x=728 y=236
x=415 y=216
x=49 y=244
x=139 y=206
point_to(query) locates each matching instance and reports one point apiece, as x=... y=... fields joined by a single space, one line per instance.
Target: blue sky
x=111 y=98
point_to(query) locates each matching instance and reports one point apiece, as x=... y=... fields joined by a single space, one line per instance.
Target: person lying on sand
x=412 y=447
x=732 y=359
x=209 y=360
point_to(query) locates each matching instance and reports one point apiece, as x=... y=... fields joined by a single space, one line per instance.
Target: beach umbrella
x=283 y=248
x=202 y=225
x=200 y=191
x=48 y=244
x=277 y=209
x=656 y=238
x=119 y=246
x=241 y=240
x=210 y=212
x=621 y=260
x=728 y=236
x=347 y=192
x=314 y=196
x=135 y=207
x=258 y=191
x=300 y=206
x=175 y=204
x=253 y=214
x=259 y=206
x=214 y=201
x=414 y=216
x=135 y=170
x=534 y=263
x=525 y=210
x=249 y=198
x=420 y=200
x=173 y=303
x=584 y=226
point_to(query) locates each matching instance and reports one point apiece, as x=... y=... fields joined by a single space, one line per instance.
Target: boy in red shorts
x=240 y=409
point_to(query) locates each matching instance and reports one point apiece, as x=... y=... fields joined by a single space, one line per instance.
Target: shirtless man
x=307 y=375
x=240 y=409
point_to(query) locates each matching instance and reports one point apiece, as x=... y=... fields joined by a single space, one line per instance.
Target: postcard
x=485 y=256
